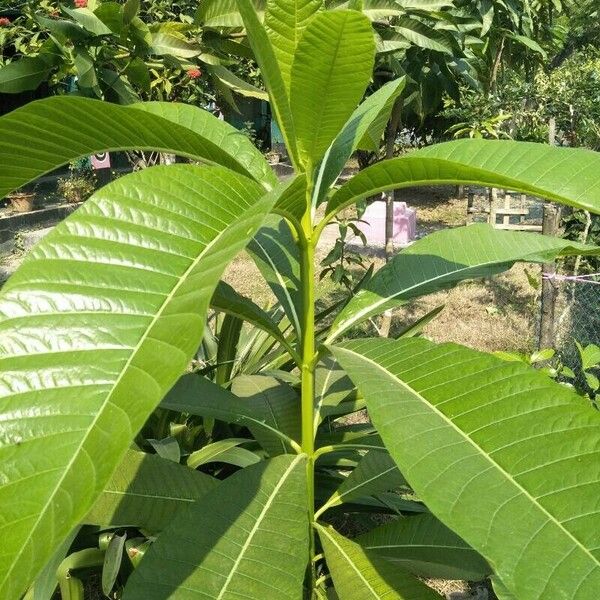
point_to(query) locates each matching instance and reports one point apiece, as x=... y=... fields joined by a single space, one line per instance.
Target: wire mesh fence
x=577 y=314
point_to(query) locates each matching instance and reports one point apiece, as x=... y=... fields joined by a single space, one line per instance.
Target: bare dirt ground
x=485 y=314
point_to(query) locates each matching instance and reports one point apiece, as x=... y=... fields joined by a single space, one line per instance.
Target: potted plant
x=22 y=200
x=77 y=187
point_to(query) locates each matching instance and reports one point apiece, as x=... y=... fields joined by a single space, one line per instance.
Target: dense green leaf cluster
x=486 y=467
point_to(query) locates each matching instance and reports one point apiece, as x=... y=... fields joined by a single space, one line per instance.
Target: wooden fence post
x=550 y=226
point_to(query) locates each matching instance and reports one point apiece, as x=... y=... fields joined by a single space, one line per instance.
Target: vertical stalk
x=307 y=367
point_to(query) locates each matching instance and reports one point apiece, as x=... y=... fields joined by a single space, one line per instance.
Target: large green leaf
x=424 y=546
x=275 y=403
x=376 y=472
x=475 y=435
x=371 y=139
x=197 y=395
x=444 y=258
x=359 y=575
x=224 y=13
x=46 y=582
x=285 y=22
x=332 y=66
x=375 y=108
x=147 y=491
x=271 y=74
x=276 y=255
x=88 y=20
x=43 y=135
x=247 y=539
x=96 y=325
x=566 y=175
x=165 y=43
x=423 y=36
x=24 y=74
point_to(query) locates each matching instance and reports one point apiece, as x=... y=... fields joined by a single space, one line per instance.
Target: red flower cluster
x=81 y=3
x=194 y=73
x=4 y=21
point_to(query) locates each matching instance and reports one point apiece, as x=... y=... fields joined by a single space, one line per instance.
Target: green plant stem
x=308 y=353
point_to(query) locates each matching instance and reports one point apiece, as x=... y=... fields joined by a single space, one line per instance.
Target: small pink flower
x=81 y=3
x=4 y=21
x=194 y=73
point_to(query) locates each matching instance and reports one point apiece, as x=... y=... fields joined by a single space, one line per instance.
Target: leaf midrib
x=480 y=451
x=257 y=524
x=351 y=563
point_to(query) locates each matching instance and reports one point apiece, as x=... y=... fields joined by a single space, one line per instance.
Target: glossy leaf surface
x=46 y=134
x=196 y=395
x=358 y=575
x=96 y=325
x=375 y=108
x=475 y=435
x=285 y=22
x=147 y=491
x=565 y=175
x=332 y=66
x=249 y=539
x=426 y=547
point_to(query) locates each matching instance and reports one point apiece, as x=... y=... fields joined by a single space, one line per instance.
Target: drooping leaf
x=421 y=35
x=112 y=562
x=285 y=22
x=164 y=43
x=565 y=175
x=444 y=258
x=88 y=20
x=277 y=257
x=76 y=127
x=346 y=142
x=276 y=403
x=359 y=575
x=221 y=451
x=371 y=138
x=76 y=343
x=24 y=74
x=227 y=300
x=332 y=66
x=167 y=448
x=249 y=539
x=496 y=439
x=197 y=395
x=147 y=491
x=376 y=472
x=237 y=85
x=424 y=546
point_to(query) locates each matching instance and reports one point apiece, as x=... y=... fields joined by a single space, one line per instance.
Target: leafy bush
x=488 y=466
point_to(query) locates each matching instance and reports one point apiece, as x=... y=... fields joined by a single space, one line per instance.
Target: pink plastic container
x=405 y=224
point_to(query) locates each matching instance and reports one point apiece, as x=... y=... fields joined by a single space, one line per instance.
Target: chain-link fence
x=577 y=314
